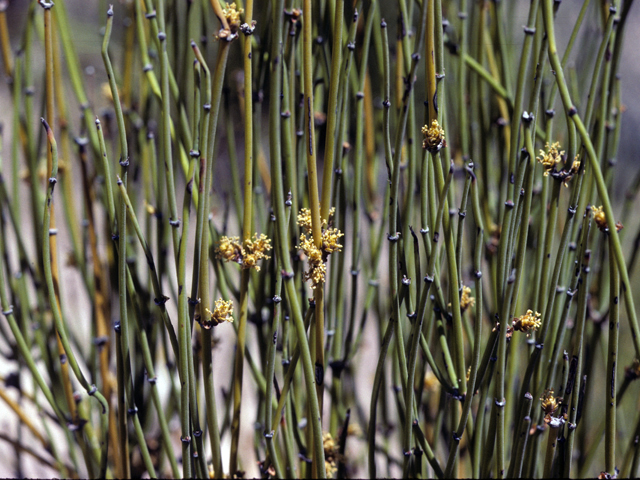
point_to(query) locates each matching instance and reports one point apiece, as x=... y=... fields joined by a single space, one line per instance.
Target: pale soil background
x=87 y=17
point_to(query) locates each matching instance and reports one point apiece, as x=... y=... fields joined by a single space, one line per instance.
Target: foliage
x=455 y=313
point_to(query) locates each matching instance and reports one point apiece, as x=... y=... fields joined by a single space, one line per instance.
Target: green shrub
x=446 y=311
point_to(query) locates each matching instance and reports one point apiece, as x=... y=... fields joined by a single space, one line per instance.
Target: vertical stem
x=101 y=305
x=332 y=110
x=5 y=45
x=203 y=281
x=552 y=441
x=575 y=387
x=132 y=410
x=357 y=198
x=239 y=365
x=185 y=351
x=314 y=200
x=174 y=222
x=51 y=259
x=374 y=397
x=57 y=315
x=270 y=373
x=473 y=376
x=523 y=435
x=612 y=361
x=246 y=236
x=430 y=64
x=594 y=163
x=282 y=249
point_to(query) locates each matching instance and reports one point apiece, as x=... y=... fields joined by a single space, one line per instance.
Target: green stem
x=246 y=236
x=317 y=336
x=473 y=377
x=203 y=281
x=278 y=202
x=332 y=109
x=594 y=163
x=552 y=441
x=53 y=302
x=580 y=320
x=174 y=222
x=388 y=335
x=612 y=363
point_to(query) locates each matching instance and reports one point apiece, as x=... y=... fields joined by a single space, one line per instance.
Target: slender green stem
x=246 y=236
x=317 y=336
x=174 y=222
x=612 y=362
x=473 y=376
x=552 y=441
x=388 y=335
x=575 y=386
x=270 y=372
x=332 y=109
x=597 y=174
x=122 y=252
x=487 y=77
x=278 y=202
x=57 y=316
x=185 y=345
x=203 y=281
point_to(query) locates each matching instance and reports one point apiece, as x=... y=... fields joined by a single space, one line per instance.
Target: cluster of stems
x=475 y=318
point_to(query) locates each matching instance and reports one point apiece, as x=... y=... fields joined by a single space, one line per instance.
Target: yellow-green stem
x=314 y=200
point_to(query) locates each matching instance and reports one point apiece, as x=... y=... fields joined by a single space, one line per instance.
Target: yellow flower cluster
x=317 y=268
x=601 y=219
x=430 y=381
x=549 y=403
x=232 y=16
x=466 y=300
x=331 y=454
x=248 y=254
x=317 y=257
x=222 y=312
x=354 y=430
x=575 y=166
x=433 y=139
x=255 y=249
x=304 y=219
x=527 y=322
x=549 y=158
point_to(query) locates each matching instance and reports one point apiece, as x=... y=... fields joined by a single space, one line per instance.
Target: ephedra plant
x=310 y=239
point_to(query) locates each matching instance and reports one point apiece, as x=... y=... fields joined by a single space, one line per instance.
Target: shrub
x=453 y=313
